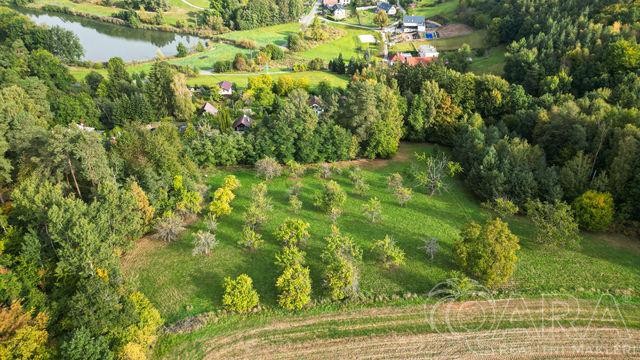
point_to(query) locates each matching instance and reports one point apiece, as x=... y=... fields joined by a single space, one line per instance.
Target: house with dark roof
x=208 y=109
x=413 y=24
x=242 y=123
x=225 y=88
x=387 y=8
x=315 y=102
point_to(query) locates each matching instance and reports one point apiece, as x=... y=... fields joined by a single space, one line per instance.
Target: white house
x=386 y=7
x=332 y=3
x=226 y=88
x=428 y=51
x=413 y=24
x=340 y=12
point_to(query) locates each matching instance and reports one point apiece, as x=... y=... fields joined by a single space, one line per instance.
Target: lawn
x=276 y=34
x=491 y=63
x=181 y=285
x=474 y=39
x=348 y=45
x=364 y=18
x=313 y=78
x=431 y=8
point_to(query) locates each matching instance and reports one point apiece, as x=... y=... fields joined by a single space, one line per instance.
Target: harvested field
x=453 y=30
x=515 y=329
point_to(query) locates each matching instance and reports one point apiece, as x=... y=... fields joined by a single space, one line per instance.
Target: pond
x=102 y=41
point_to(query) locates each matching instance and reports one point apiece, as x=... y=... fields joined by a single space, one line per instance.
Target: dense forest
x=89 y=166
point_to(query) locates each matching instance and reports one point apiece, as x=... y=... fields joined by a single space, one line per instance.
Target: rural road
x=307 y=19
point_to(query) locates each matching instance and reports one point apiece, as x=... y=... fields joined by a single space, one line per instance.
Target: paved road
x=308 y=19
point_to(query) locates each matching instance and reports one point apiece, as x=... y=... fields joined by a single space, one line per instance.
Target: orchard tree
x=203 y=243
x=487 y=252
x=341 y=258
x=258 y=212
x=331 y=197
x=268 y=168
x=239 y=294
x=250 y=239
x=372 y=210
x=432 y=172
x=388 y=252
x=169 y=228
x=403 y=195
x=293 y=232
x=294 y=287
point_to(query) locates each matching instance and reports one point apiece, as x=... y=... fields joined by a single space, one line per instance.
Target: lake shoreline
x=54 y=9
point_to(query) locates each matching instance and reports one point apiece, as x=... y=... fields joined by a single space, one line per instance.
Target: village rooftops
x=384 y=6
x=428 y=51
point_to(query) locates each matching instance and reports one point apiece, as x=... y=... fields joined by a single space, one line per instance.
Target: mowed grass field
x=181 y=285
x=431 y=8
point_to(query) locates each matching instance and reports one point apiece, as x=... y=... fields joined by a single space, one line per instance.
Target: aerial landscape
x=319 y=179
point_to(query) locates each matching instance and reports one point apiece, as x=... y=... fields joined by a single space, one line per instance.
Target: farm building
x=413 y=24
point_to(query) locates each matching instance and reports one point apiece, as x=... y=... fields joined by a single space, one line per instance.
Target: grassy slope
x=346 y=45
x=181 y=285
x=491 y=63
x=431 y=8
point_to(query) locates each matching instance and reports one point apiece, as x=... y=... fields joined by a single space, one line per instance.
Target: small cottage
x=242 y=123
x=387 y=8
x=208 y=109
x=225 y=88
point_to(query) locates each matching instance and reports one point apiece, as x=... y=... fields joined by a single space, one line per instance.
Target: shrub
x=372 y=210
x=250 y=239
x=274 y=52
x=293 y=232
x=169 y=228
x=554 y=223
x=487 y=252
x=268 y=168
x=294 y=287
x=331 y=197
x=247 y=44
x=388 y=252
x=203 y=243
x=502 y=207
x=594 y=210
x=182 y=50
x=359 y=183
x=316 y=64
x=239 y=294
